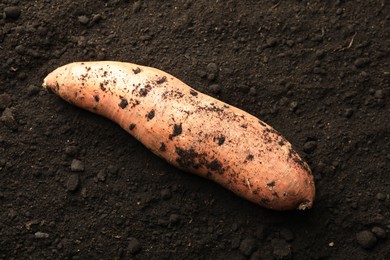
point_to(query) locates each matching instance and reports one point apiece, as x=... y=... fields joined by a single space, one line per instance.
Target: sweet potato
x=191 y=130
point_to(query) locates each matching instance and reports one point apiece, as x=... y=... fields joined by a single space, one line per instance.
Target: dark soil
x=76 y=186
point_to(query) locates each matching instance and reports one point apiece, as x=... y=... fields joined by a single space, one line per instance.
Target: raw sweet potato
x=191 y=130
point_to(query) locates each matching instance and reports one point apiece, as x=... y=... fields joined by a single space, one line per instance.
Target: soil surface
x=75 y=185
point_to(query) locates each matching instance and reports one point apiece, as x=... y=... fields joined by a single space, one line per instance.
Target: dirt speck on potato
x=123 y=103
x=177 y=130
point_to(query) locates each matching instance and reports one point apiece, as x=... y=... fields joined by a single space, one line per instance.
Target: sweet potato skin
x=191 y=130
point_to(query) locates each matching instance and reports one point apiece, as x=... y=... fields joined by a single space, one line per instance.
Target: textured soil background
x=75 y=186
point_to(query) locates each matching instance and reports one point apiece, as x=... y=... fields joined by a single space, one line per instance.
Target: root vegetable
x=191 y=130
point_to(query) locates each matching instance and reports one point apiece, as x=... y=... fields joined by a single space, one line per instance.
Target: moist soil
x=75 y=185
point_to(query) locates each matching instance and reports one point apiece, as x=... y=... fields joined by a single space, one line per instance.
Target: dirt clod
x=281 y=249
x=112 y=169
x=5 y=101
x=248 y=246
x=174 y=219
x=165 y=194
x=379 y=232
x=32 y=90
x=8 y=119
x=212 y=68
x=12 y=12
x=134 y=246
x=71 y=150
x=309 y=146
x=361 y=62
x=77 y=166
x=366 y=239
x=73 y=182
x=41 y=235
x=101 y=176
x=215 y=88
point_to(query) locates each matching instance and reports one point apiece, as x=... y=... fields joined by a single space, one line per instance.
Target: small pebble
x=12 y=12
x=215 y=88
x=41 y=235
x=366 y=239
x=165 y=194
x=339 y=11
x=309 y=146
x=73 y=182
x=134 y=246
x=248 y=246
x=379 y=232
x=293 y=106
x=77 y=166
x=97 y=18
x=84 y=20
x=5 y=101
